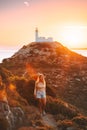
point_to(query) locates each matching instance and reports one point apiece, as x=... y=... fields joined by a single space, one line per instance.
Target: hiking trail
x=48 y=119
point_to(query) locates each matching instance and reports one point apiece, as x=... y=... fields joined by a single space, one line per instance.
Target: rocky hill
x=65 y=71
x=66 y=76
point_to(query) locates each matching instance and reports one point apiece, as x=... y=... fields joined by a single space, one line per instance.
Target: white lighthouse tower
x=36 y=34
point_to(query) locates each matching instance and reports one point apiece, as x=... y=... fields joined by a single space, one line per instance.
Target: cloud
x=76 y=27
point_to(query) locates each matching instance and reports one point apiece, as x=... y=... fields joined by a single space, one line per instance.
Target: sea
x=8 y=53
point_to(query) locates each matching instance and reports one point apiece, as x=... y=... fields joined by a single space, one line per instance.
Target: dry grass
x=57 y=106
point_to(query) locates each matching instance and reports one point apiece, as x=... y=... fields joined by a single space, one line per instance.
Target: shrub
x=4 y=125
x=81 y=121
x=26 y=90
x=67 y=125
x=57 y=106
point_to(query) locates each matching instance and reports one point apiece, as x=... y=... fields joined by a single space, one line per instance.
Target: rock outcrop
x=12 y=114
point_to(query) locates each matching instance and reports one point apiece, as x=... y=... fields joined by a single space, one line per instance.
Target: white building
x=42 y=39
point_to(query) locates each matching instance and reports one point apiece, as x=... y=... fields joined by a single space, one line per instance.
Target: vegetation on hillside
x=66 y=77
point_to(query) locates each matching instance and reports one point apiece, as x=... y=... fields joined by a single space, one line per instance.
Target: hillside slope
x=65 y=71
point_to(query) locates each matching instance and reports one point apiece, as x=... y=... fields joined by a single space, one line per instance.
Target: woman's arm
x=35 y=90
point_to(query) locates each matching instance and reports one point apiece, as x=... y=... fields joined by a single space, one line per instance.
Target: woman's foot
x=44 y=113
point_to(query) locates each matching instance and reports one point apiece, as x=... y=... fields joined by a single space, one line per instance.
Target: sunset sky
x=64 y=20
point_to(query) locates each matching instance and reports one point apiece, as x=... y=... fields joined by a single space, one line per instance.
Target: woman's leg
x=40 y=105
x=43 y=101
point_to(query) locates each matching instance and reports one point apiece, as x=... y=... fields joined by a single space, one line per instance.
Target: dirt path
x=48 y=119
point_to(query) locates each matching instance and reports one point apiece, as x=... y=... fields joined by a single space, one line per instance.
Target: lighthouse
x=36 y=35
x=42 y=39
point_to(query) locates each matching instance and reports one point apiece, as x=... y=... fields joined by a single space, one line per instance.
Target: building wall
x=42 y=39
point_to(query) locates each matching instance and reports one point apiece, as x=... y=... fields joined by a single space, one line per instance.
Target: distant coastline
x=82 y=52
x=6 y=54
x=78 y=48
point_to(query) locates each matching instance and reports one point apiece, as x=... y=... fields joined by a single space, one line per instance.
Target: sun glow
x=72 y=36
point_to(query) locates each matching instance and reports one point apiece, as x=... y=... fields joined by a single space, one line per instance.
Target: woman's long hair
x=38 y=79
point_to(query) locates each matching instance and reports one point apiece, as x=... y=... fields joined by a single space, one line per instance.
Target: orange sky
x=64 y=20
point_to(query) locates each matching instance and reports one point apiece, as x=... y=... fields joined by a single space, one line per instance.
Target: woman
x=40 y=92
